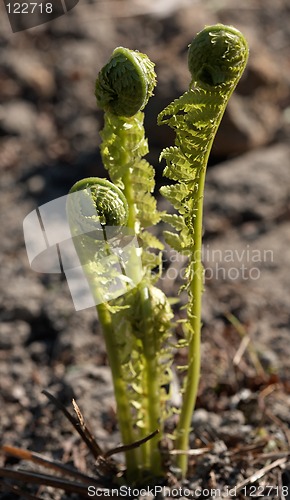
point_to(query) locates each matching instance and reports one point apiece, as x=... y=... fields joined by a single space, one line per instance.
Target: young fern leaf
x=125 y=83
x=122 y=149
x=142 y=325
x=136 y=326
x=97 y=210
x=147 y=367
x=217 y=58
x=123 y=88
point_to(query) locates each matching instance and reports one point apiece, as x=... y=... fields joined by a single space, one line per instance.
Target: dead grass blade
x=44 y=479
x=127 y=447
x=246 y=344
x=195 y=452
x=82 y=430
x=46 y=462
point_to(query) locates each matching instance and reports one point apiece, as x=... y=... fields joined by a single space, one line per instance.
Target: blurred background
x=49 y=138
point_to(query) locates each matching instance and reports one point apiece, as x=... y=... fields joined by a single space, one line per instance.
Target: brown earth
x=49 y=138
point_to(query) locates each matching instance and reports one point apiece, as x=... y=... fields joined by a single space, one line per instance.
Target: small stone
x=30 y=71
x=204 y=419
x=18 y=118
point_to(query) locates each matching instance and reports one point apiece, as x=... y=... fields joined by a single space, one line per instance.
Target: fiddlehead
x=217 y=59
x=143 y=330
x=123 y=87
x=98 y=213
x=217 y=56
x=97 y=210
x=125 y=83
x=93 y=205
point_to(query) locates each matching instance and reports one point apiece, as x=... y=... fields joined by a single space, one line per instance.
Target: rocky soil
x=49 y=138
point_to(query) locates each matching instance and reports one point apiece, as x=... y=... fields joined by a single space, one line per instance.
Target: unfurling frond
x=217 y=58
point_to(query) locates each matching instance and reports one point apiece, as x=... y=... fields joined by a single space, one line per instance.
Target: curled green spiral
x=94 y=204
x=217 y=56
x=125 y=83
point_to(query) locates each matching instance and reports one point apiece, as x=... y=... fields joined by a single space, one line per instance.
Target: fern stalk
x=131 y=147
x=124 y=414
x=123 y=148
x=92 y=204
x=217 y=58
x=193 y=373
x=151 y=401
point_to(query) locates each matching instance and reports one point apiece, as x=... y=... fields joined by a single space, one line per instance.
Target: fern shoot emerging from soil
x=217 y=58
x=138 y=325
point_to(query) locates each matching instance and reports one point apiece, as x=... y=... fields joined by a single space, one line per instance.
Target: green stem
x=193 y=374
x=123 y=408
x=196 y=287
x=129 y=194
x=151 y=388
x=151 y=404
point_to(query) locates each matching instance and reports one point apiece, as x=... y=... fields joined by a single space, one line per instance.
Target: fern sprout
x=138 y=324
